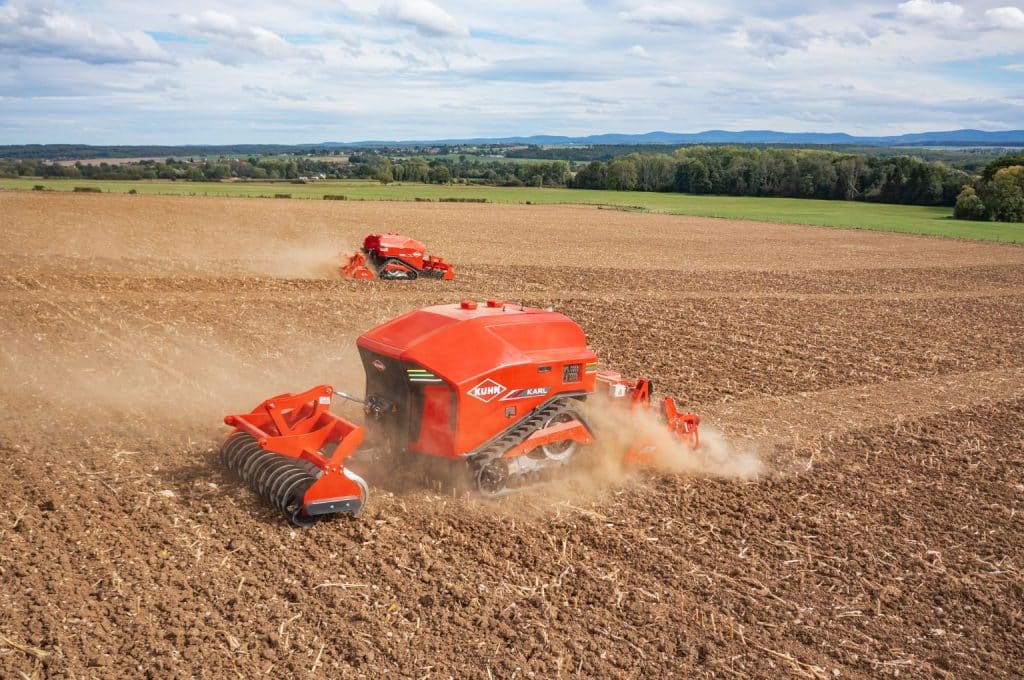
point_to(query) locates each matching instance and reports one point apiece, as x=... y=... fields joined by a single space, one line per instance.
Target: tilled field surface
x=878 y=379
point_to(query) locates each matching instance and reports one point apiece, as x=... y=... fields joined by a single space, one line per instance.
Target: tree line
x=997 y=195
x=793 y=173
x=467 y=169
x=364 y=165
x=969 y=159
x=201 y=170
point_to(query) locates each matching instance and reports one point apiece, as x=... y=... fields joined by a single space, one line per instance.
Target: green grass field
x=846 y=214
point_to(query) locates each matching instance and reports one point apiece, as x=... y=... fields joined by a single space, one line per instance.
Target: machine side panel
x=496 y=400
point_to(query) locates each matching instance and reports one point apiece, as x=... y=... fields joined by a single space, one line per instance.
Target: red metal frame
x=300 y=426
x=685 y=426
x=560 y=432
x=432 y=263
x=353 y=266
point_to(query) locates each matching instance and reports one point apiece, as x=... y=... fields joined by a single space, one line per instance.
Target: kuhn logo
x=379 y=365
x=486 y=391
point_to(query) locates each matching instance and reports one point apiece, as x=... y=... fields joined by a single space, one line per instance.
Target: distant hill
x=944 y=138
x=949 y=138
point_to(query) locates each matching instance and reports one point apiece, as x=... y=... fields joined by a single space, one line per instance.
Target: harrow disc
x=279 y=480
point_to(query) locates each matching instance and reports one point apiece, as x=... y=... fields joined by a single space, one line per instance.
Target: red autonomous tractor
x=498 y=386
x=392 y=257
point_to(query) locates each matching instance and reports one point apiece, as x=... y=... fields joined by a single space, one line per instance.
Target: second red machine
x=393 y=257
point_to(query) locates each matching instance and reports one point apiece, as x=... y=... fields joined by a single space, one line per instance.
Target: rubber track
x=518 y=433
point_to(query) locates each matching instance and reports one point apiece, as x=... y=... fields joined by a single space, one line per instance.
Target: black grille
x=392 y=385
x=571 y=373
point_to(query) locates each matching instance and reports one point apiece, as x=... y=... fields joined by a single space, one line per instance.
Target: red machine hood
x=460 y=342
x=398 y=241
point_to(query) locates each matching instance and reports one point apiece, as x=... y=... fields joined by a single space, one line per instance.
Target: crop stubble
x=880 y=378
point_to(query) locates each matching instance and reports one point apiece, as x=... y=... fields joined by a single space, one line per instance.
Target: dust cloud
x=317 y=260
x=619 y=428
x=151 y=377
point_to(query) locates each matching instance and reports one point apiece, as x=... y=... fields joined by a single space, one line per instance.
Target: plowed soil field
x=876 y=381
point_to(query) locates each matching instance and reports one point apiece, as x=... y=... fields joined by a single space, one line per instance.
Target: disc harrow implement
x=291 y=449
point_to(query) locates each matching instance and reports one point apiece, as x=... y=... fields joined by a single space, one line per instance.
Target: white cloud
x=931 y=11
x=333 y=69
x=772 y=39
x=427 y=18
x=46 y=32
x=215 y=23
x=1010 y=18
x=218 y=26
x=664 y=15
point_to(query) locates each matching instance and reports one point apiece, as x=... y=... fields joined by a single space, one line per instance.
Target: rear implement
x=291 y=451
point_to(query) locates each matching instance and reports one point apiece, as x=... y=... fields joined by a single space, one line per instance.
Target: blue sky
x=125 y=72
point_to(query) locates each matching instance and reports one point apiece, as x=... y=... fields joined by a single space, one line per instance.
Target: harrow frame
x=299 y=427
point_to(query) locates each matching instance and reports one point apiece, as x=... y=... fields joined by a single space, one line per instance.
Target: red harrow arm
x=291 y=451
x=681 y=426
x=353 y=266
x=436 y=267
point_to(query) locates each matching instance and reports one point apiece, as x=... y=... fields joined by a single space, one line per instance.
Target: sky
x=307 y=71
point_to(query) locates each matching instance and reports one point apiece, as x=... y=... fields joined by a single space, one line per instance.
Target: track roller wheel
x=393 y=269
x=561 y=451
x=492 y=479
